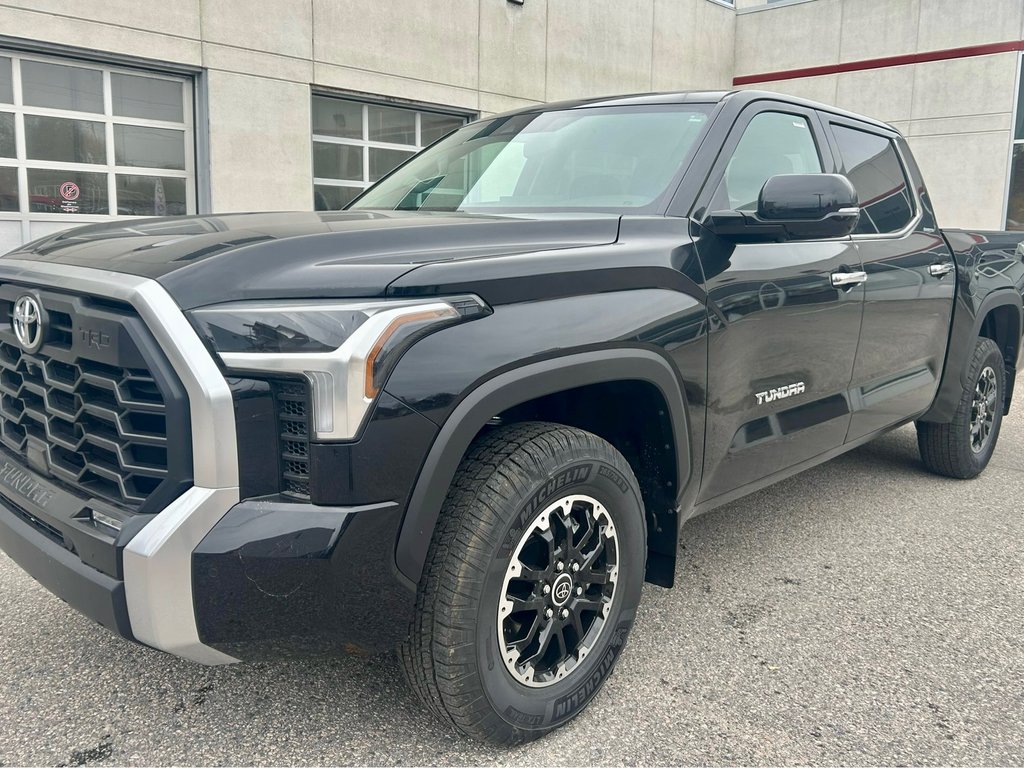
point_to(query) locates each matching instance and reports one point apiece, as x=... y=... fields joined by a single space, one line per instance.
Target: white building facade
x=126 y=108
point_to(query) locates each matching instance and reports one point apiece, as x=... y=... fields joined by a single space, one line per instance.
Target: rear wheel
x=962 y=447
x=531 y=584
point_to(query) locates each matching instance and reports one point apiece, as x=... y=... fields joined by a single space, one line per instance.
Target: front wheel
x=962 y=447
x=531 y=584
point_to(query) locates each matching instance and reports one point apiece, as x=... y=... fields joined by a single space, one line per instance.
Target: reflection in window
x=149 y=147
x=6 y=85
x=65 y=141
x=327 y=198
x=150 y=196
x=7 y=145
x=356 y=143
x=9 y=189
x=61 y=87
x=871 y=164
x=150 y=98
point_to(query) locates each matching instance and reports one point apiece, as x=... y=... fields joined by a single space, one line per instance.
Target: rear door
x=910 y=282
x=783 y=339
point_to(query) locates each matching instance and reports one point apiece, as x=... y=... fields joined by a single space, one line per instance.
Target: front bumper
x=97 y=595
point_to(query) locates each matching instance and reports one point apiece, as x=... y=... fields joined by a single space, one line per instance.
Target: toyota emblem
x=562 y=590
x=28 y=323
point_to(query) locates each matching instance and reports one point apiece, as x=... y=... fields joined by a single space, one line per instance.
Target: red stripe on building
x=885 y=61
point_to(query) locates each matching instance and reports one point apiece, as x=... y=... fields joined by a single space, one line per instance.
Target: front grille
x=293 y=410
x=85 y=408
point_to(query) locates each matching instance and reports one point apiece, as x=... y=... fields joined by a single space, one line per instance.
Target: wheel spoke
x=547 y=632
x=531 y=603
x=520 y=645
x=590 y=576
x=528 y=573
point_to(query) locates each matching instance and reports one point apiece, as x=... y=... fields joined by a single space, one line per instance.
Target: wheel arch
x=1000 y=317
x=531 y=390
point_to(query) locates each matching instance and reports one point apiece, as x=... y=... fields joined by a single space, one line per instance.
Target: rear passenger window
x=773 y=143
x=871 y=164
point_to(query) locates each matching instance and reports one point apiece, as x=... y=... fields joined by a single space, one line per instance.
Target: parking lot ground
x=864 y=612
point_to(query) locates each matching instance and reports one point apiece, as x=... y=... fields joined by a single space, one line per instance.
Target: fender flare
x=961 y=339
x=511 y=388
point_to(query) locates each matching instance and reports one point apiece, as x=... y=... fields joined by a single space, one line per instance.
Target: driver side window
x=773 y=143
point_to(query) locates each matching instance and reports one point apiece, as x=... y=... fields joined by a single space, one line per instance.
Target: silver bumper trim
x=158 y=561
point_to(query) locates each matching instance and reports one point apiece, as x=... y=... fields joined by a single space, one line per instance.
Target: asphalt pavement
x=864 y=612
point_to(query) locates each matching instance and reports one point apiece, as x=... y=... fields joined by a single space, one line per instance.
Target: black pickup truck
x=468 y=416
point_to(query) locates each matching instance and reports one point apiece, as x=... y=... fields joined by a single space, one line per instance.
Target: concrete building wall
x=957 y=113
x=261 y=60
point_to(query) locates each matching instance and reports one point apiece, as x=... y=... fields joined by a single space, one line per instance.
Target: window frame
x=1018 y=108
x=829 y=119
x=700 y=209
x=108 y=120
x=365 y=144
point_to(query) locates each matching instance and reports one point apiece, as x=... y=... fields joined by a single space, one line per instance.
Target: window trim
x=22 y=163
x=828 y=121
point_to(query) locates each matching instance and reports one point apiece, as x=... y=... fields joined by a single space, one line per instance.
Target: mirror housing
x=797 y=206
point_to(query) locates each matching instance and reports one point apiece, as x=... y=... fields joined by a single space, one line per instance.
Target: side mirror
x=798 y=206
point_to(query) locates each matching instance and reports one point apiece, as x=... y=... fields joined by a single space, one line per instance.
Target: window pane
x=146 y=97
x=67 y=191
x=394 y=126
x=772 y=143
x=337 y=161
x=60 y=87
x=1019 y=132
x=337 y=117
x=871 y=164
x=6 y=90
x=150 y=196
x=65 y=141
x=333 y=198
x=1015 y=208
x=433 y=127
x=6 y=134
x=149 y=147
x=8 y=189
x=383 y=161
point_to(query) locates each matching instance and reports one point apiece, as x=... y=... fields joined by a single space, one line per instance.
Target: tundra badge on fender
x=779 y=393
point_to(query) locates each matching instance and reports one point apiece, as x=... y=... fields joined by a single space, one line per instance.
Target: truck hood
x=203 y=260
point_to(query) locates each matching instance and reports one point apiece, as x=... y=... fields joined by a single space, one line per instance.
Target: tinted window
x=871 y=164
x=148 y=97
x=60 y=87
x=773 y=143
x=6 y=87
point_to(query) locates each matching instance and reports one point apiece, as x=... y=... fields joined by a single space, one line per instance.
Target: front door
x=783 y=340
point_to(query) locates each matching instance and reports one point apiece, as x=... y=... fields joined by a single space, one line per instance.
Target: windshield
x=610 y=158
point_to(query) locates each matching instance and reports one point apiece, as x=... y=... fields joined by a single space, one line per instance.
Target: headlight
x=344 y=348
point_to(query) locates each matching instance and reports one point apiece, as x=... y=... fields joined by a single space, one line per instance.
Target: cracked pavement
x=863 y=612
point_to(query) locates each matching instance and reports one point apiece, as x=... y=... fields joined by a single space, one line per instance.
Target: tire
x=962 y=447
x=503 y=494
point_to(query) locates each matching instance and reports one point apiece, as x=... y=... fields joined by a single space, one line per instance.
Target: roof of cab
x=696 y=97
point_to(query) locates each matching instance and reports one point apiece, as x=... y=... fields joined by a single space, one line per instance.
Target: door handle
x=848 y=279
x=940 y=270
